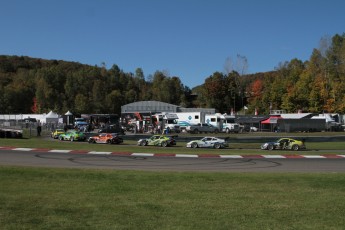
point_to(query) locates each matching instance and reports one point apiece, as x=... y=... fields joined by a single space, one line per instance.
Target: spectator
x=39 y=129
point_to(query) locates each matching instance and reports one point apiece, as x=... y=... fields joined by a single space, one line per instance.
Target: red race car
x=106 y=138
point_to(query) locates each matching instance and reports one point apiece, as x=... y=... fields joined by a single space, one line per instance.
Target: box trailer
x=191 y=117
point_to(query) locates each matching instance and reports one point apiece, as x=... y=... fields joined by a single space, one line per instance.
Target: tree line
x=316 y=85
x=33 y=85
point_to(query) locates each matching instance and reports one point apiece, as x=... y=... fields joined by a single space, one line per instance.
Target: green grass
x=40 y=198
x=130 y=146
x=32 y=198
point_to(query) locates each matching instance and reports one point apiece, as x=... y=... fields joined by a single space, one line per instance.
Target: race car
x=56 y=133
x=284 y=143
x=158 y=140
x=106 y=138
x=72 y=135
x=208 y=142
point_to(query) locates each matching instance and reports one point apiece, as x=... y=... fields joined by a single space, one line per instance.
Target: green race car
x=158 y=140
x=72 y=136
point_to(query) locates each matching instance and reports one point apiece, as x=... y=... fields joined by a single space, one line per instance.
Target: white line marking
x=99 y=153
x=231 y=156
x=59 y=151
x=273 y=156
x=313 y=156
x=23 y=149
x=186 y=155
x=143 y=154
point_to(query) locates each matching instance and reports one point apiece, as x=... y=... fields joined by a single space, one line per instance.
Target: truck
x=229 y=124
x=225 y=123
x=167 y=121
x=202 y=128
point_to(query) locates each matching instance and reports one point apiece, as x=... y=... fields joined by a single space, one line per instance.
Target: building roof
x=148 y=107
x=159 y=107
x=250 y=119
x=296 y=115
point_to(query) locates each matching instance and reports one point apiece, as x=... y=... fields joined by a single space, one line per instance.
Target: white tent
x=52 y=117
x=69 y=116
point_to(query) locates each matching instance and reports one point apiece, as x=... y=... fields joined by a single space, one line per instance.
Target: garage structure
x=141 y=112
x=153 y=107
x=249 y=121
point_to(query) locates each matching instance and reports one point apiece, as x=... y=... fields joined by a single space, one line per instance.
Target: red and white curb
x=324 y=156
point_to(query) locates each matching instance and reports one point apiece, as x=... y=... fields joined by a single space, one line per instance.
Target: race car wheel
x=194 y=145
x=270 y=147
x=164 y=144
x=72 y=138
x=60 y=138
x=143 y=143
x=217 y=146
x=109 y=142
x=295 y=147
x=92 y=141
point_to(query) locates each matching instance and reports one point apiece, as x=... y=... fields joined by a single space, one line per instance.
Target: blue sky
x=190 y=39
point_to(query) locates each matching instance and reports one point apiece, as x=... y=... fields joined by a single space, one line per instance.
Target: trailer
x=191 y=117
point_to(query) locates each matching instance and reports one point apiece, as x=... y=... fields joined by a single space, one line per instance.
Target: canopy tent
x=52 y=117
x=69 y=117
x=271 y=120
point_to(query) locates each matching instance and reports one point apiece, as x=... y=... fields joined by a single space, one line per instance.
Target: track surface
x=166 y=163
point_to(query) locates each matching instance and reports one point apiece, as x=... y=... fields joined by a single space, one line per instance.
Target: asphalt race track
x=166 y=163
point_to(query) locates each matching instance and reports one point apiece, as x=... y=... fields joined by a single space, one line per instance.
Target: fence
x=18 y=129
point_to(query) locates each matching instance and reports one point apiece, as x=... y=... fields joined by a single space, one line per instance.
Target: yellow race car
x=56 y=133
x=284 y=143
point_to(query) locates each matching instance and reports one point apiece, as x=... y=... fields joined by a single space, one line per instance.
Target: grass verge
x=35 y=198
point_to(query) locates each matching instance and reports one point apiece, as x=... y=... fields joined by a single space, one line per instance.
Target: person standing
x=39 y=129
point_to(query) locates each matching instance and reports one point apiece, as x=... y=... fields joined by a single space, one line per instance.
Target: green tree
x=81 y=104
x=114 y=101
x=216 y=89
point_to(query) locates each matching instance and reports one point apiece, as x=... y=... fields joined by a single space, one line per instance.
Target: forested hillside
x=316 y=85
x=31 y=85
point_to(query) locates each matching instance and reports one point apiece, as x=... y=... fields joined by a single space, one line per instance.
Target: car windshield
x=172 y=121
x=154 y=137
x=206 y=139
x=283 y=140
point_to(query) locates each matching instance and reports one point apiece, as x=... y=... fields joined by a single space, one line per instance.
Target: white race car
x=208 y=142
